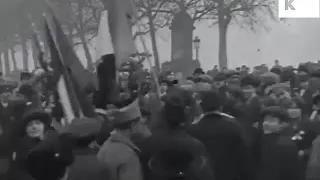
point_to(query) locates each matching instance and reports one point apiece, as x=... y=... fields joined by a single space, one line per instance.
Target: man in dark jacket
x=86 y=165
x=279 y=154
x=171 y=153
x=224 y=141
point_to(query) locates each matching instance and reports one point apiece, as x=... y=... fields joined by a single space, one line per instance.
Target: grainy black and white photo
x=159 y=90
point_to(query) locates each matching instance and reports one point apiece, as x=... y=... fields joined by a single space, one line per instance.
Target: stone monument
x=181 y=44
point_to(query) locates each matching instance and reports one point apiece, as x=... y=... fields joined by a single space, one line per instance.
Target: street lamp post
x=196 y=43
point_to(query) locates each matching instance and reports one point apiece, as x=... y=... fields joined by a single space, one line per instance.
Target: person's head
x=249 y=84
x=233 y=78
x=131 y=127
x=175 y=109
x=276 y=70
x=35 y=123
x=198 y=71
x=275 y=119
x=128 y=120
x=83 y=129
x=210 y=101
x=27 y=90
x=304 y=84
x=25 y=76
x=51 y=158
x=219 y=80
x=303 y=77
x=145 y=87
x=164 y=84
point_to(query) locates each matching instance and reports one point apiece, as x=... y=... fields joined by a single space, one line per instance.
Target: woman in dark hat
x=35 y=123
x=32 y=129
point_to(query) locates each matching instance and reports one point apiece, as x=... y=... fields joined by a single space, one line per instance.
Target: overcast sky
x=291 y=43
x=296 y=41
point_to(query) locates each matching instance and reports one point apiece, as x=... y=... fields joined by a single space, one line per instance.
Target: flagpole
x=50 y=19
x=137 y=24
x=154 y=73
x=157 y=103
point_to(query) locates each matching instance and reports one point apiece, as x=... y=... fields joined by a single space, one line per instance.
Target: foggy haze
x=292 y=42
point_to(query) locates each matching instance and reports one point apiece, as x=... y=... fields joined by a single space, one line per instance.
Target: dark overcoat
x=226 y=147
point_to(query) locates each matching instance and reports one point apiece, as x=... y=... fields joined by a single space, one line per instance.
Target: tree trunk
x=35 y=55
x=43 y=39
x=24 y=47
x=223 y=58
x=6 y=62
x=224 y=21
x=13 y=58
x=1 y=69
x=154 y=43
x=82 y=37
x=25 y=56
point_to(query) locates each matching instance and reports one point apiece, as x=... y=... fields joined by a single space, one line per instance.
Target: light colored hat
x=202 y=86
x=280 y=87
x=187 y=85
x=127 y=113
x=270 y=77
x=294 y=113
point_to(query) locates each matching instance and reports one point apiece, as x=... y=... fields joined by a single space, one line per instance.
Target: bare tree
x=157 y=14
x=246 y=13
x=87 y=15
x=13 y=57
x=6 y=62
x=152 y=18
x=16 y=18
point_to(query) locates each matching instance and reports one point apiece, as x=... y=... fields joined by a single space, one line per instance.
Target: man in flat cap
x=119 y=154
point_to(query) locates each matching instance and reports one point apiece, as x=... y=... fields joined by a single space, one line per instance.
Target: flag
x=107 y=81
x=106 y=69
x=71 y=107
x=114 y=47
x=121 y=14
x=66 y=69
x=70 y=59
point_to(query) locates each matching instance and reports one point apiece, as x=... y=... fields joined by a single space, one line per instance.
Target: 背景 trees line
x=80 y=19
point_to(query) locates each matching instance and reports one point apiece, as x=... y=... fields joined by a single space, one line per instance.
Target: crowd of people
x=233 y=125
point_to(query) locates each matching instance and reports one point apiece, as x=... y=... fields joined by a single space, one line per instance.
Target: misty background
x=291 y=42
